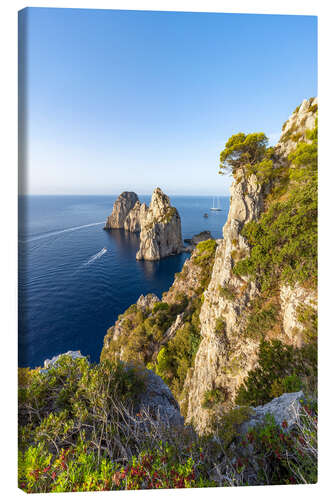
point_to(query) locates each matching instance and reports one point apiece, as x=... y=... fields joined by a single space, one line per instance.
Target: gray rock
x=122 y=206
x=283 y=408
x=50 y=363
x=203 y=236
x=160 y=230
x=147 y=301
x=159 y=401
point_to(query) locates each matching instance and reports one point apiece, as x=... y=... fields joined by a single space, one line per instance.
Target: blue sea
x=70 y=289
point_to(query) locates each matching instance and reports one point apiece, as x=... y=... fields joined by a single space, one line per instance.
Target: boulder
x=158 y=401
x=121 y=208
x=283 y=409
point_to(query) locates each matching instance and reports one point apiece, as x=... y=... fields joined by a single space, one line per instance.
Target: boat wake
x=54 y=233
x=96 y=256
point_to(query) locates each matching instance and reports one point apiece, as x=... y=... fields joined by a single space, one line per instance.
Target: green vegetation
x=220 y=326
x=227 y=292
x=243 y=151
x=281 y=368
x=263 y=316
x=284 y=241
x=143 y=332
x=290 y=457
x=79 y=431
x=214 y=397
x=227 y=426
x=177 y=356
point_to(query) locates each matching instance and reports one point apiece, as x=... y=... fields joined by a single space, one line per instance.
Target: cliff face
x=160 y=229
x=225 y=355
x=121 y=208
x=203 y=338
x=135 y=217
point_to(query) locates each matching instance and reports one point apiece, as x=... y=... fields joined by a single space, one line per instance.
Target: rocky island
x=121 y=208
x=159 y=224
x=161 y=233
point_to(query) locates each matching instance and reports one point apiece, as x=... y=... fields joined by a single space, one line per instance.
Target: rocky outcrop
x=158 y=401
x=294 y=129
x=284 y=409
x=146 y=302
x=203 y=236
x=160 y=230
x=135 y=217
x=51 y=363
x=121 y=208
x=225 y=356
x=291 y=300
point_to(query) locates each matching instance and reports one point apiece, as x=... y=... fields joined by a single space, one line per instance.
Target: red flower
x=284 y=424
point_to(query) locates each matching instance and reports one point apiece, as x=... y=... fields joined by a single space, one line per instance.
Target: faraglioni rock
x=135 y=217
x=121 y=208
x=161 y=233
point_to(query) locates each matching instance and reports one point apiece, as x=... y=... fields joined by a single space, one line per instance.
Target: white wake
x=53 y=233
x=96 y=256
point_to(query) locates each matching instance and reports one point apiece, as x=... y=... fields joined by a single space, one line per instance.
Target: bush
x=214 y=397
x=284 y=241
x=288 y=456
x=275 y=360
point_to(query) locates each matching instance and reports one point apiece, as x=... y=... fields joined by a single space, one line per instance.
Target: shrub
x=274 y=360
x=262 y=318
x=284 y=241
x=226 y=292
x=213 y=397
x=220 y=326
x=289 y=456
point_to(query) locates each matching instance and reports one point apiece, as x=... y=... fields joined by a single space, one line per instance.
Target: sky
x=130 y=100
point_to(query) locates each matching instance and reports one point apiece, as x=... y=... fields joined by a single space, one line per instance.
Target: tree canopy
x=243 y=150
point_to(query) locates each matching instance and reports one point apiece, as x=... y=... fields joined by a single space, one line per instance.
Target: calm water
x=70 y=291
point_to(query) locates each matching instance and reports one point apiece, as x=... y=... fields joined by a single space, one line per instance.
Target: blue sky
x=128 y=100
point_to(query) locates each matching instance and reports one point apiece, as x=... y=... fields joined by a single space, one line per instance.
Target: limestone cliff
x=121 y=208
x=161 y=234
x=225 y=355
x=203 y=338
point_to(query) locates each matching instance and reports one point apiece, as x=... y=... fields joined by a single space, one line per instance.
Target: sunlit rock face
x=121 y=208
x=161 y=233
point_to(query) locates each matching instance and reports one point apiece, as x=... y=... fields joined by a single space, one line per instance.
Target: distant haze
x=129 y=100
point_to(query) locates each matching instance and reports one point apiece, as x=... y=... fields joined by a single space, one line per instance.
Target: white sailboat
x=216 y=208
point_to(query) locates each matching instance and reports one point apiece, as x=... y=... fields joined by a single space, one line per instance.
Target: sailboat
x=216 y=208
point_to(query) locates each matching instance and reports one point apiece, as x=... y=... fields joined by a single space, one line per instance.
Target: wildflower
x=284 y=424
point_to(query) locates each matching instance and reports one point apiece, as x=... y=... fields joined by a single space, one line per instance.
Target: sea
x=75 y=278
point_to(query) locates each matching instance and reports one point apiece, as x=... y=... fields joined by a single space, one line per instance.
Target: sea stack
x=135 y=217
x=161 y=233
x=121 y=208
